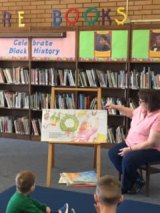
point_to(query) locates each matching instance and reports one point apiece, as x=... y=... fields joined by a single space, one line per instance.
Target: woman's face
x=143 y=104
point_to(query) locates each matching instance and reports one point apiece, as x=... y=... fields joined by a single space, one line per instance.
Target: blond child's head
x=108 y=191
x=25 y=181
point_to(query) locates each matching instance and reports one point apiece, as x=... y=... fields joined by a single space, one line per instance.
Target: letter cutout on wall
x=57 y=18
x=106 y=14
x=69 y=22
x=20 y=19
x=120 y=11
x=91 y=22
x=6 y=20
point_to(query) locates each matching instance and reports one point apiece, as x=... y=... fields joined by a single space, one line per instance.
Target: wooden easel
x=51 y=145
x=51 y=154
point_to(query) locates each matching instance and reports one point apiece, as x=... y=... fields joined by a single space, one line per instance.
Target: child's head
x=108 y=191
x=25 y=181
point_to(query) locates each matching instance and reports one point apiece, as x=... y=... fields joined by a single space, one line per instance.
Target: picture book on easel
x=74 y=126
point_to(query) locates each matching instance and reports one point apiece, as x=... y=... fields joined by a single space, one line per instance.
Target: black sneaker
x=137 y=187
x=140 y=179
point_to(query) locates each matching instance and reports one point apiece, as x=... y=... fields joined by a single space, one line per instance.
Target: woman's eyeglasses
x=141 y=101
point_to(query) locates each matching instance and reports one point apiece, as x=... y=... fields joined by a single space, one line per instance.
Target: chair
x=149 y=168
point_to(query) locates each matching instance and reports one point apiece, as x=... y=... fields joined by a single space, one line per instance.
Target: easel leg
x=53 y=155
x=98 y=157
x=94 y=157
x=49 y=165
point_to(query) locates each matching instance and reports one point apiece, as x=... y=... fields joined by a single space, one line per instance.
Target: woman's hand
x=124 y=151
x=110 y=106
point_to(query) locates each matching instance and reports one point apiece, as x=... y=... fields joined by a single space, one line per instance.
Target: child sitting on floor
x=22 y=202
x=107 y=195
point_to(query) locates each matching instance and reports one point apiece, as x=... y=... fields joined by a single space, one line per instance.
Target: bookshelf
x=109 y=69
x=27 y=74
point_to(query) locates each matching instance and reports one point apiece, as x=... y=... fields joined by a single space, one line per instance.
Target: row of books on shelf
x=14 y=99
x=146 y=79
x=104 y=79
x=20 y=100
x=15 y=75
x=67 y=101
x=17 y=125
x=115 y=135
x=20 y=125
x=53 y=77
x=86 y=78
x=39 y=76
x=39 y=101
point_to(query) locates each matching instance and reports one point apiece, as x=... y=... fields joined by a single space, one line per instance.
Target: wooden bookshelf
x=130 y=51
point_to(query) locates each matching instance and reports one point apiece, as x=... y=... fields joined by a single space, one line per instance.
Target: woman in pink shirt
x=142 y=144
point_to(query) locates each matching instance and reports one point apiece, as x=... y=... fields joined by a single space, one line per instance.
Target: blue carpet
x=82 y=202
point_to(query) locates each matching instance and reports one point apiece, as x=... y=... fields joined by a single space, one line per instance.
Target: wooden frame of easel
x=51 y=145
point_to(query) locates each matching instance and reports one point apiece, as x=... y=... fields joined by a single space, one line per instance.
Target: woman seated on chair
x=142 y=144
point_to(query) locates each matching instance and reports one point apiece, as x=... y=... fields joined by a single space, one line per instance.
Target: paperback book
x=87 y=178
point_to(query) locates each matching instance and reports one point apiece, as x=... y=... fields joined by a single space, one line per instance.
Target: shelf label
x=54 y=48
x=14 y=48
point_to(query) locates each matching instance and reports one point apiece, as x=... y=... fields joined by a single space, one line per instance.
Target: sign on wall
x=74 y=126
x=54 y=48
x=14 y=48
x=146 y=45
x=103 y=45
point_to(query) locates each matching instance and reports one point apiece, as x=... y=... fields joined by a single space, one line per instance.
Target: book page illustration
x=74 y=126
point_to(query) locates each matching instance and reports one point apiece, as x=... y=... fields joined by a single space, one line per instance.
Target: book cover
x=74 y=178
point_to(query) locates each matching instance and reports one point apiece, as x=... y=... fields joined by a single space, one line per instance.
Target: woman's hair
x=151 y=97
x=24 y=181
x=108 y=190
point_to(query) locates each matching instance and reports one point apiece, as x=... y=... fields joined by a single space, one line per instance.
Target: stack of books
x=87 y=178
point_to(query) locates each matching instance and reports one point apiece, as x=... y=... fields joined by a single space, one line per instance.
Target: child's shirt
x=20 y=203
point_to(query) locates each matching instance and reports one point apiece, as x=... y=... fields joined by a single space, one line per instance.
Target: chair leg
x=119 y=176
x=147 y=179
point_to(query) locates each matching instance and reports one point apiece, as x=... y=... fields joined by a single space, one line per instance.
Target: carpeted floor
x=81 y=202
x=16 y=155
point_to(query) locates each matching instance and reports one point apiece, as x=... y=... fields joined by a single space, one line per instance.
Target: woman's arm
x=124 y=110
x=151 y=143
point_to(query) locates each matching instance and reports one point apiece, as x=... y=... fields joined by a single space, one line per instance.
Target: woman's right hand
x=110 y=106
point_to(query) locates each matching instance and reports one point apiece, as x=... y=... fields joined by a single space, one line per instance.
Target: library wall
x=39 y=12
